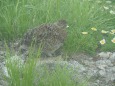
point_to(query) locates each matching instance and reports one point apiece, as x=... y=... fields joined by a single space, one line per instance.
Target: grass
x=30 y=74
x=16 y=16
x=20 y=73
x=19 y=15
x=87 y=16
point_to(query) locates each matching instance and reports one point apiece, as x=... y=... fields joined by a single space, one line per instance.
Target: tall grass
x=19 y=15
x=86 y=15
x=27 y=76
x=32 y=73
x=20 y=74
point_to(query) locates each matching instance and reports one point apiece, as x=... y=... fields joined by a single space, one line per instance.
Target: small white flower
x=84 y=33
x=113 y=30
x=113 y=40
x=104 y=31
x=94 y=29
x=102 y=41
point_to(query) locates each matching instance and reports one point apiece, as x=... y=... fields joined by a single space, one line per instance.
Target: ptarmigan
x=50 y=36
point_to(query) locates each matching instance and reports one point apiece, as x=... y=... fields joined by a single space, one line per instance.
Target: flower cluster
x=103 y=41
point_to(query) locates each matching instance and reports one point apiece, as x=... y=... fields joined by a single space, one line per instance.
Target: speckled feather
x=51 y=35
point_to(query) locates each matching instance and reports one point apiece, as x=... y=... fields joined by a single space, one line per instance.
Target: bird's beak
x=67 y=26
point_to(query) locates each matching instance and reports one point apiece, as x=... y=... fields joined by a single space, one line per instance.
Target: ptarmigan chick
x=50 y=36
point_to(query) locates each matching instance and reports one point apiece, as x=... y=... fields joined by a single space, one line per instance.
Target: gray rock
x=2 y=53
x=112 y=57
x=104 y=63
x=104 y=55
x=102 y=73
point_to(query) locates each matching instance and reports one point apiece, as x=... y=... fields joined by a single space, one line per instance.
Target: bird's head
x=62 y=24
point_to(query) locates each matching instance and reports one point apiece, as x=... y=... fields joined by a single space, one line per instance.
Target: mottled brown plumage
x=51 y=36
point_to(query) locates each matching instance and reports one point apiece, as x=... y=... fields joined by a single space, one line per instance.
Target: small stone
x=2 y=53
x=23 y=49
x=102 y=67
x=5 y=71
x=102 y=73
x=113 y=69
x=104 y=63
x=105 y=54
x=112 y=57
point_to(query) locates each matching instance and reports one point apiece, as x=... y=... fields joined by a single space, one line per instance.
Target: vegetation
x=30 y=74
x=91 y=29
x=19 y=15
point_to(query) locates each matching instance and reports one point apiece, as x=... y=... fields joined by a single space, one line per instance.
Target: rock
x=104 y=63
x=2 y=53
x=15 y=59
x=104 y=55
x=112 y=57
x=102 y=73
x=23 y=49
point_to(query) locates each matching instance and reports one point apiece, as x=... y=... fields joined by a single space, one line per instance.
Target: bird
x=51 y=36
